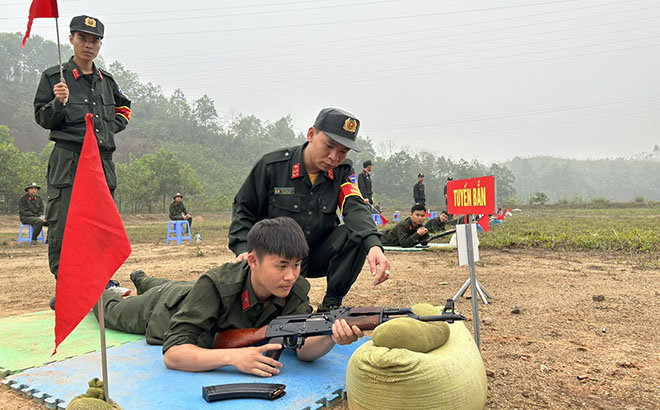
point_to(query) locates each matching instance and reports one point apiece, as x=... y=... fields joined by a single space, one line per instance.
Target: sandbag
x=451 y=376
x=427 y=335
x=93 y=399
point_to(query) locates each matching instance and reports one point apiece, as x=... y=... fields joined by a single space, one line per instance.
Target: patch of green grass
x=630 y=230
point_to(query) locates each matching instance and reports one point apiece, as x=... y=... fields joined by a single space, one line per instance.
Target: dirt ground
x=586 y=335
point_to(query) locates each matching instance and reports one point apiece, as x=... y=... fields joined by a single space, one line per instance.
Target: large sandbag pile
x=417 y=365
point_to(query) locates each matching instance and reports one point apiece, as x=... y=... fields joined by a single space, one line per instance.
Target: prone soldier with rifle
x=292 y=331
x=265 y=292
x=185 y=316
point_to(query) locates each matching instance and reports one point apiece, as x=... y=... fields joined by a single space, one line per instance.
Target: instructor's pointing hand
x=378 y=264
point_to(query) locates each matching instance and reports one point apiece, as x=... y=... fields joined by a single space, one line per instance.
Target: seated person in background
x=440 y=224
x=178 y=210
x=31 y=211
x=185 y=316
x=408 y=232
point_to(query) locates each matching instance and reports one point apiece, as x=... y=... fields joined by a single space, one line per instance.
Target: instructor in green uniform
x=185 y=316
x=31 y=211
x=410 y=231
x=60 y=105
x=309 y=183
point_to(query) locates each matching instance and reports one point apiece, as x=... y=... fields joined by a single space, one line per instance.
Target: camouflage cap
x=87 y=24
x=177 y=194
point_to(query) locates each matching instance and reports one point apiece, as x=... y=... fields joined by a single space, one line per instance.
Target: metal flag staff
x=469 y=197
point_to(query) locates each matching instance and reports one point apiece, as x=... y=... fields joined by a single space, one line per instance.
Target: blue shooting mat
x=138 y=379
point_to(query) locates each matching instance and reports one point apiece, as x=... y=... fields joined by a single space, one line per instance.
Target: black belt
x=75 y=147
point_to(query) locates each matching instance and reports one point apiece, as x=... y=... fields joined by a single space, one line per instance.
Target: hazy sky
x=466 y=79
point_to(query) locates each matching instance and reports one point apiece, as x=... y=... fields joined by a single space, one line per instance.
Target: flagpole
x=104 y=359
x=59 y=52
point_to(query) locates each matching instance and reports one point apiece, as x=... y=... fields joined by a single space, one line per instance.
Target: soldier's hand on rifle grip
x=344 y=334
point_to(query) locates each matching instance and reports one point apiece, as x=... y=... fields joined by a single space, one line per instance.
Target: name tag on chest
x=284 y=190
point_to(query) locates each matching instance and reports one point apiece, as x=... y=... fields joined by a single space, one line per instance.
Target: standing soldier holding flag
x=60 y=105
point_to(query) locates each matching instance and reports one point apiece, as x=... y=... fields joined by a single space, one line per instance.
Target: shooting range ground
x=573 y=322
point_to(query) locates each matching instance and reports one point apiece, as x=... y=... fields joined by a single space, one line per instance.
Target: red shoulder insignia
x=331 y=174
x=245 y=299
x=100 y=75
x=76 y=73
x=295 y=171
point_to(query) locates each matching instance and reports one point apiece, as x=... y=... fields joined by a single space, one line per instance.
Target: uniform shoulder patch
x=278 y=156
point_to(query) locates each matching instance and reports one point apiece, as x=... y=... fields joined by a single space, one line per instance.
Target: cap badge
x=90 y=22
x=350 y=125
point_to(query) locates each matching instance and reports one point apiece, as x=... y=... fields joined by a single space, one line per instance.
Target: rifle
x=290 y=331
x=440 y=235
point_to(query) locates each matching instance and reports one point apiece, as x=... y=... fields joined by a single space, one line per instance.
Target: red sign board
x=474 y=196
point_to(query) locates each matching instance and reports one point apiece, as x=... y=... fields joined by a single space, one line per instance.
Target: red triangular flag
x=383 y=219
x=40 y=9
x=95 y=243
x=484 y=222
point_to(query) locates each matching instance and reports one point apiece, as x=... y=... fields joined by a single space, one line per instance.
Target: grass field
x=632 y=232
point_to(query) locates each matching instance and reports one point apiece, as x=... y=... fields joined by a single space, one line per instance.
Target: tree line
x=176 y=145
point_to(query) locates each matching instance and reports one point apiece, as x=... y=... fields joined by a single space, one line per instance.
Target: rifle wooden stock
x=234 y=338
x=364 y=322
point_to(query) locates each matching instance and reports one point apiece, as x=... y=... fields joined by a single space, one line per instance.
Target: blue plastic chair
x=396 y=217
x=22 y=239
x=177 y=228
x=377 y=219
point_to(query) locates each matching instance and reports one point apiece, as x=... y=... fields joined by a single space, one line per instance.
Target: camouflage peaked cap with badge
x=339 y=125
x=87 y=24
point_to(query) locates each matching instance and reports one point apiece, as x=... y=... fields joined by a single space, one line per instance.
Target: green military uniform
x=177 y=210
x=95 y=93
x=30 y=209
x=435 y=226
x=175 y=313
x=279 y=185
x=404 y=234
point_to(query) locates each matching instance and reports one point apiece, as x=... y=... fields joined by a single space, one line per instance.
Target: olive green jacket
x=435 y=226
x=404 y=234
x=279 y=185
x=222 y=298
x=177 y=209
x=30 y=207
